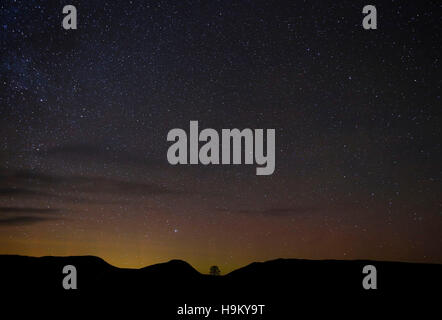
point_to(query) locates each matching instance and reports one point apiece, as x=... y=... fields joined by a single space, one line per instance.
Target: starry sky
x=84 y=117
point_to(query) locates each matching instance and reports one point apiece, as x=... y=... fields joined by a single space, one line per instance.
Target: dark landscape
x=162 y=288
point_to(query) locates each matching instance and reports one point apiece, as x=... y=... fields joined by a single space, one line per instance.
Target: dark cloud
x=24 y=220
x=98 y=153
x=28 y=210
x=89 y=184
x=23 y=192
x=12 y=191
x=35 y=176
x=11 y=216
x=278 y=212
x=29 y=183
x=289 y=211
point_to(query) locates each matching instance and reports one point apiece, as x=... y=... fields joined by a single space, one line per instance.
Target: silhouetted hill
x=343 y=274
x=176 y=268
x=166 y=286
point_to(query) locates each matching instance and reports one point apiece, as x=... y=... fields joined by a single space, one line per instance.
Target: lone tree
x=214 y=271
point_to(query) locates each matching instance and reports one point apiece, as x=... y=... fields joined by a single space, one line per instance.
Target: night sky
x=84 y=117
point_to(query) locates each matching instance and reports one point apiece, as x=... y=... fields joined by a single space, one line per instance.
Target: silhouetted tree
x=214 y=271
